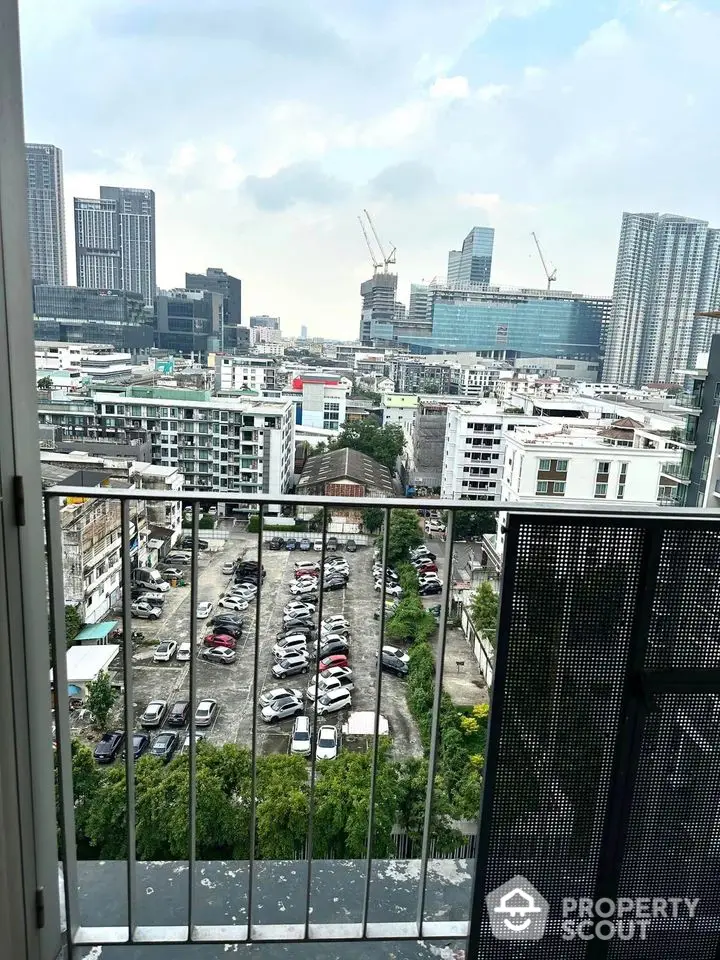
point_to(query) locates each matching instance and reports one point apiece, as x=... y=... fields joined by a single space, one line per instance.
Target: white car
x=334 y=623
x=298 y=606
x=295 y=644
x=333 y=700
x=336 y=672
x=396 y=652
x=278 y=693
x=435 y=526
x=228 y=568
x=165 y=651
x=233 y=603
x=327 y=743
x=184 y=651
x=300 y=739
x=204 y=609
x=330 y=683
x=300 y=589
x=391 y=589
x=145 y=610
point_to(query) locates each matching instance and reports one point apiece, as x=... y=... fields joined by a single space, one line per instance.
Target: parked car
x=184 y=651
x=331 y=543
x=311 y=570
x=327 y=743
x=334 y=660
x=204 y=609
x=331 y=623
x=281 y=709
x=233 y=603
x=109 y=746
x=140 y=744
x=246 y=591
x=228 y=630
x=187 y=542
x=199 y=737
x=164 y=745
x=150 y=580
x=296 y=643
x=145 y=611
x=172 y=573
x=340 y=645
x=165 y=651
x=154 y=713
x=295 y=606
x=277 y=543
x=279 y=693
x=231 y=618
x=154 y=599
x=304 y=588
x=306 y=628
x=223 y=655
x=332 y=701
x=422 y=552
x=434 y=526
x=326 y=683
x=205 y=713
x=220 y=640
x=335 y=584
x=179 y=558
x=391 y=589
x=292 y=664
x=300 y=737
x=337 y=672
x=425 y=566
x=305 y=544
x=228 y=568
x=430 y=589
x=179 y=713
x=351 y=546
x=291 y=544
x=290 y=623
x=393 y=665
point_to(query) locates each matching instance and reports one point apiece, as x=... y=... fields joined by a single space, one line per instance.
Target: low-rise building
x=95 y=361
x=344 y=473
x=319 y=401
x=255 y=374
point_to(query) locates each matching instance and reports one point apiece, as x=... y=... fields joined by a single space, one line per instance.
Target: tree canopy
x=384 y=444
x=484 y=607
x=405 y=534
x=100 y=697
x=470 y=524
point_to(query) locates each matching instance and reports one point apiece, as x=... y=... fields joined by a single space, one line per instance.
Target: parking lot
x=232 y=685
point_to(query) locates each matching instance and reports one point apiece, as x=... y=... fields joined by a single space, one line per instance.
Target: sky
x=266 y=126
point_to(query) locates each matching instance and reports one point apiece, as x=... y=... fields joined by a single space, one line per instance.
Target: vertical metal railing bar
x=192 y=764
x=435 y=729
x=128 y=706
x=255 y=695
x=378 y=694
x=313 y=758
x=53 y=539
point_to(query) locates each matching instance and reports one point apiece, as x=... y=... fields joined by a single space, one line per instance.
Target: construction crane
x=375 y=263
x=550 y=274
x=387 y=258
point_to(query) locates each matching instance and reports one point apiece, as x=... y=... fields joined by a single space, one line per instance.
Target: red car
x=336 y=660
x=426 y=567
x=219 y=640
x=307 y=572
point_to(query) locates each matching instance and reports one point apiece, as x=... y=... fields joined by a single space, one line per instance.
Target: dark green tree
x=73 y=624
x=45 y=383
x=282 y=810
x=411 y=621
x=471 y=524
x=99 y=698
x=384 y=444
x=372 y=519
x=405 y=534
x=484 y=606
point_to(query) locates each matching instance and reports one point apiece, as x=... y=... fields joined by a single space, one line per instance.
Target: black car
x=164 y=745
x=335 y=646
x=306 y=629
x=394 y=665
x=109 y=747
x=336 y=584
x=228 y=630
x=186 y=544
x=331 y=543
x=179 y=712
x=351 y=546
x=277 y=543
x=289 y=625
x=429 y=589
x=140 y=744
x=227 y=619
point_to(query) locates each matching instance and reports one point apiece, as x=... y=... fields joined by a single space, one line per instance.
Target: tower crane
x=387 y=258
x=550 y=274
x=375 y=263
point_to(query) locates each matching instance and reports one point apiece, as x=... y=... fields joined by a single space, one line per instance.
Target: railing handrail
x=565 y=507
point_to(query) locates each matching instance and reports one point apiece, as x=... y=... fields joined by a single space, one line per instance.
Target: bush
x=469 y=725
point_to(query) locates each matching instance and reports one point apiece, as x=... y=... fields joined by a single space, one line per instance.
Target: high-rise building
x=46 y=213
x=115 y=241
x=378 y=307
x=189 y=321
x=473 y=263
x=215 y=280
x=668 y=269
x=81 y=315
x=263 y=320
x=303 y=332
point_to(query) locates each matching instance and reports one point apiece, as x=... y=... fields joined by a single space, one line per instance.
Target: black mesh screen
x=595 y=788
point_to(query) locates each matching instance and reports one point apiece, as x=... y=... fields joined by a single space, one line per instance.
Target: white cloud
x=450 y=88
x=490 y=92
x=481 y=201
x=607 y=40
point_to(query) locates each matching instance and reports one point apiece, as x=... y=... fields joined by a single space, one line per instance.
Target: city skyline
x=520 y=120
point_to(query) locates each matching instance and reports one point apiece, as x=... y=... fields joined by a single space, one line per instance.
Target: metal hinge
x=19 y=497
x=40 y=907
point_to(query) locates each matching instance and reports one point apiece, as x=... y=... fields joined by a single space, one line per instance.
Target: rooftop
x=346 y=464
x=581 y=437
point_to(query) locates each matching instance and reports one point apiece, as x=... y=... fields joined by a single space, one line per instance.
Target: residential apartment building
x=472 y=264
x=46 y=213
x=115 y=241
x=84 y=315
x=667 y=271
x=319 y=401
x=217 y=443
x=256 y=374
x=474 y=449
x=95 y=361
x=215 y=280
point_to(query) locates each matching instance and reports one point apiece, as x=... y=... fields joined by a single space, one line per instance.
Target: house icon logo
x=517 y=911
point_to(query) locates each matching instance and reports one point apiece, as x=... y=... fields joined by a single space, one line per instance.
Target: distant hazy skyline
x=264 y=129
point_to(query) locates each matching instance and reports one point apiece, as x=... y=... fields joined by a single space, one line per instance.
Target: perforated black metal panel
x=603 y=760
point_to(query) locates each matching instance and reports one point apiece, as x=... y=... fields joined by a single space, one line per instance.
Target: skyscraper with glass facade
x=115 y=241
x=215 y=280
x=516 y=322
x=473 y=263
x=667 y=271
x=46 y=213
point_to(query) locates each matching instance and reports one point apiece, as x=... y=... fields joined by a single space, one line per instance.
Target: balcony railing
x=602 y=645
x=688 y=402
x=680 y=471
